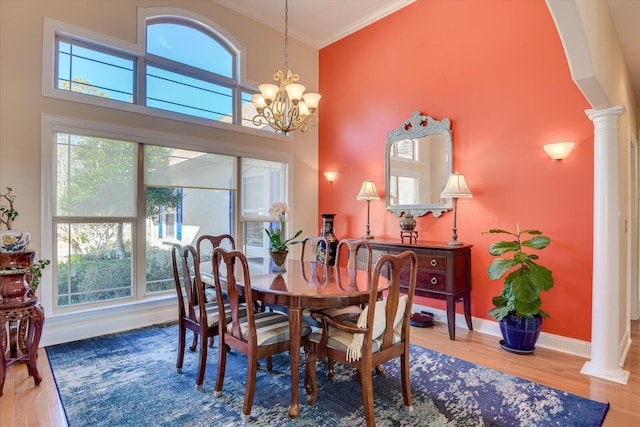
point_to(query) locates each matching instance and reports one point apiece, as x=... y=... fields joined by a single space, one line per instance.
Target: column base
x=616 y=375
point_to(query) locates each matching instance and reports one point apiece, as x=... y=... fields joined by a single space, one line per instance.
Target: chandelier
x=285 y=107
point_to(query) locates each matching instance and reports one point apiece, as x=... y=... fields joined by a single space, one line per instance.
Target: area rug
x=129 y=379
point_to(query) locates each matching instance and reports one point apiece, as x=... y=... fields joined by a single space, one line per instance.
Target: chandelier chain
x=286 y=35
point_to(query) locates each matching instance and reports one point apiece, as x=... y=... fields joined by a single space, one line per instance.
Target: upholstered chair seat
x=271 y=327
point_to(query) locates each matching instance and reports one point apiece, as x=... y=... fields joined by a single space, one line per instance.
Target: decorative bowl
x=12 y=241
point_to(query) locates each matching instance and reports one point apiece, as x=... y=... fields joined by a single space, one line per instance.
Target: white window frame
x=53 y=27
x=65 y=324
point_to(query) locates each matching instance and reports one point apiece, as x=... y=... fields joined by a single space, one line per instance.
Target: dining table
x=304 y=285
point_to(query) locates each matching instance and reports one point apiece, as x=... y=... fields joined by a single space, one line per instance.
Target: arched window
x=187 y=68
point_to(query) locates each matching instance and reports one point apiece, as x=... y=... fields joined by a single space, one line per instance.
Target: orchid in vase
x=279 y=243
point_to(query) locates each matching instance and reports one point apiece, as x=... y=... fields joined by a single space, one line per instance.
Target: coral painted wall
x=497 y=69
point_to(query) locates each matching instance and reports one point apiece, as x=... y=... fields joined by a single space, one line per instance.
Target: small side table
x=20 y=331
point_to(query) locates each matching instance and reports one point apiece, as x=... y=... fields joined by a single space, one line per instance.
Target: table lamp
x=368 y=192
x=456 y=188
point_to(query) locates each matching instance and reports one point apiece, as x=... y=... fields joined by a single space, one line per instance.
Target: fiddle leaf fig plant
x=524 y=279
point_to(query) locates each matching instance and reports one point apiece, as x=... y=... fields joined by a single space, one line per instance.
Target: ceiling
x=319 y=23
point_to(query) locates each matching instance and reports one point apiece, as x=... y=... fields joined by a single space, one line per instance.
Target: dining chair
x=194 y=312
x=380 y=334
x=205 y=246
x=314 y=254
x=351 y=248
x=258 y=335
x=318 y=250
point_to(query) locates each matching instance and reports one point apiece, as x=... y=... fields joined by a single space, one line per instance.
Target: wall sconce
x=559 y=150
x=331 y=176
x=456 y=188
x=368 y=192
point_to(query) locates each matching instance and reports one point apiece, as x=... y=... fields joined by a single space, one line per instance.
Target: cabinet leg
x=451 y=317
x=466 y=302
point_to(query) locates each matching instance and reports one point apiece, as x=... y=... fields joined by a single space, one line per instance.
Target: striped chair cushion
x=341 y=314
x=340 y=340
x=213 y=314
x=271 y=328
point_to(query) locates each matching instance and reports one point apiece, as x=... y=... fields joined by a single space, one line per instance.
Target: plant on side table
x=517 y=308
x=20 y=273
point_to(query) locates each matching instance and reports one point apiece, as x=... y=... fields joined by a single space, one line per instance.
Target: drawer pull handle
x=434 y=281
x=434 y=263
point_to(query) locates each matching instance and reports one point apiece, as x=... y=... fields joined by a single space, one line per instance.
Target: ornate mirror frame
x=420 y=129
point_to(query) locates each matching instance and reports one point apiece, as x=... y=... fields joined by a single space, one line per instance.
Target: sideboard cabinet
x=444 y=273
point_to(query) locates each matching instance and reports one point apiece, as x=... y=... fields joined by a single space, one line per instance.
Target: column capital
x=616 y=110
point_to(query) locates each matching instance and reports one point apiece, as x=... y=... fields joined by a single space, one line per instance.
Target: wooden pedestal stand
x=21 y=317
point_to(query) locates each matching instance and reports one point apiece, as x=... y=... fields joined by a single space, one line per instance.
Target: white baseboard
x=491 y=327
x=76 y=326
x=80 y=325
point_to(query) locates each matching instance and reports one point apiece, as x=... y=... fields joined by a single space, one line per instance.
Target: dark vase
x=407 y=223
x=520 y=333
x=329 y=233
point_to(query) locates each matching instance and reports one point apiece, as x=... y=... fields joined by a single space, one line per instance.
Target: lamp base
x=367 y=237
x=455 y=243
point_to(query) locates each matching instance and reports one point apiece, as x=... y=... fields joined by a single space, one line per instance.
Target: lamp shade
x=368 y=191
x=330 y=175
x=456 y=187
x=559 y=150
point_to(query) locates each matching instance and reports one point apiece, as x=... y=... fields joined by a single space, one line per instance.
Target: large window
x=95 y=212
x=170 y=76
x=115 y=224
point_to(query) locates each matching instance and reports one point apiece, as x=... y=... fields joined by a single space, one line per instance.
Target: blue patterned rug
x=129 y=379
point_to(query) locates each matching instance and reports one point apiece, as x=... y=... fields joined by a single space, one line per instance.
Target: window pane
x=263 y=183
x=182 y=215
x=182 y=94
x=176 y=42
x=172 y=167
x=256 y=243
x=95 y=73
x=95 y=176
x=94 y=262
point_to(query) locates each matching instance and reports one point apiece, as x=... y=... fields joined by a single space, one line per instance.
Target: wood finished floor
x=22 y=404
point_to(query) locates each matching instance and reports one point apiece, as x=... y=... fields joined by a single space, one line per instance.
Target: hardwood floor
x=22 y=404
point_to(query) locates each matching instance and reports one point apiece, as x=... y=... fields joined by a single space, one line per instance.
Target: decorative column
x=606 y=287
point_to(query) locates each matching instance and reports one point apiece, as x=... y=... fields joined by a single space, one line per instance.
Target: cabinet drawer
x=425 y=280
x=432 y=262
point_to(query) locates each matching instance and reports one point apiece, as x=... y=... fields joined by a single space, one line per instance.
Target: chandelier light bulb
x=269 y=92
x=294 y=91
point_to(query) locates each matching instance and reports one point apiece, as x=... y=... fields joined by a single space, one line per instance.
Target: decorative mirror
x=417 y=166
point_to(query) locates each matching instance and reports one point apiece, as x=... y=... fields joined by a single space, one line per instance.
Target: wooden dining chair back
x=205 y=246
x=257 y=334
x=315 y=249
x=351 y=247
x=208 y=242
x=194 y=312
x=380 y=334
x=314 y=255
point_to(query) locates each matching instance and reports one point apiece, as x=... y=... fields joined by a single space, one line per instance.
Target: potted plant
x=11 y=240
x=517 y=308
x=279 y=244
x=20 y=273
